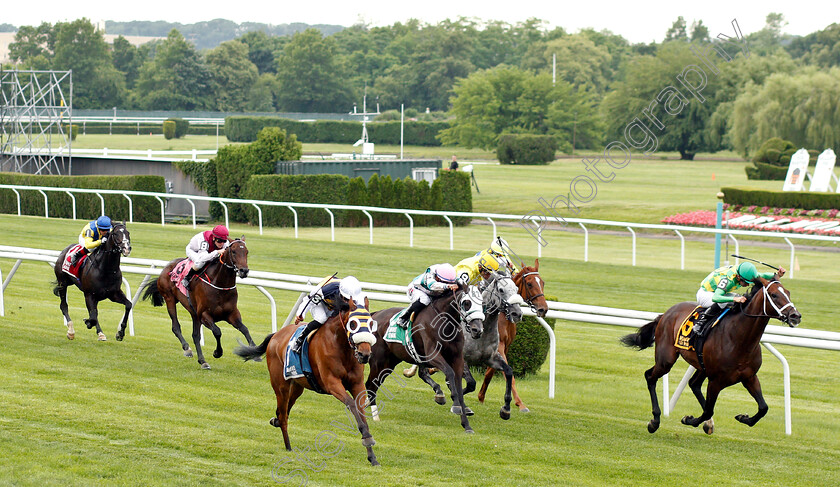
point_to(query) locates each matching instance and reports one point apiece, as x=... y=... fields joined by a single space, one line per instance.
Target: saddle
x=297 y=364
x=684 y=339
x=76 y=269
x=177 y=274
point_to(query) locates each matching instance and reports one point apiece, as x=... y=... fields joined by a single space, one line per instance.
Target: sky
x=640 y=21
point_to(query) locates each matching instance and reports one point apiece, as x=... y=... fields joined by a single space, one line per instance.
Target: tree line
x=490 y=78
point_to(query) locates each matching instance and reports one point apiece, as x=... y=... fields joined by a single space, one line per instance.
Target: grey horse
x=499 y=295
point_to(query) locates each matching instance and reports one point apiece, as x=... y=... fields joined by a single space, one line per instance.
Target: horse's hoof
x=441 y=399
x=119 y=337
x=101 y=337
x=409 y=372
x=469 y=431
x=374 y=463
x=188 y=353
x=205 y=366
x=71 y=332
x=217 y=353
x=274 y=422
x=457 y=410
x=709 y=426
x=524 y=410
x=368 y=441
x=504 y=414
x=690 y=420
x=653 y=426
x=89 y=324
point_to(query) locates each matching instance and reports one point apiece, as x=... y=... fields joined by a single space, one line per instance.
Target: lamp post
x=718 y=227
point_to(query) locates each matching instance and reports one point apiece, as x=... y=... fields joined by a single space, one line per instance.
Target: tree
x=677 y=31
x=820 y=48
x=80 y=47
x=128 y=59
x=800 y=107
x=233 y=75
x=175 y=79
x=263 y=93
x=31 y=42
x=505 y=99
x=310 y=77
x=261 y=50
x=699 y=32
x=579 y=61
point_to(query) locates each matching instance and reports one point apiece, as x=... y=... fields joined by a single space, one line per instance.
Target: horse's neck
x=751 y=328
x=219 y=273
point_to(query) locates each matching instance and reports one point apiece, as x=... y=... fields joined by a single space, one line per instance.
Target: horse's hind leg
x=423 y=373
x=470 y=380
x=453 y=377
x=176 y=325
x=753 y=386
x=488 y=376
x=217 y=333
x=196 y=336
x=61 y=290
x=120 y=297
x=93 y=320
x=712 y=392
x=235 y=320
x=696 y=383
x=652 y=376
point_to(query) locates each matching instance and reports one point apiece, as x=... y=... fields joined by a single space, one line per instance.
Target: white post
x=494 y=227
x=162 y=210
x=295 y=307
x=2 y=305
x=682 y=249
x=786 y=379
x=552 y=353
x=402 y=125
x=273 y=308
x=259 y=215
x=46 y=204
x=451 y=233
x=294 y=212
x=585 y=242
x=672 y=403
x=792 y=256
x=332 y=224
x=130 y=209
x=634 y=244
x=73 y=199
x=131 y=311
x=193 y=210
x=410 y=230
x=370 y=221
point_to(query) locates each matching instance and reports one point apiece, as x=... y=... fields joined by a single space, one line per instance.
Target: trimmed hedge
x=529 y=349
x=764 y=171
x=780 y=199
x=245 y=129
x=168 y=130
x=526 y=149
x=304 y=188
x=451 y=191
x=181 y=126
x=88 y=206
x=71 y=131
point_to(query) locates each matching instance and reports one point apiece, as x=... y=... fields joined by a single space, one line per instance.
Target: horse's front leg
x=217 y=333
x=61 y=290
x=423 y=373
x=356 y=403
x=196 y=336
x=93 y=320
x=453 y=377
x=120 y=297
x=753 y=386
x=712 y=392
x=498 y=363
x=469 y=378
x=235 y=319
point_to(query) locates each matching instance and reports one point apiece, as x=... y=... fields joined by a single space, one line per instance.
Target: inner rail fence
x=533 y=224
x=148 y=268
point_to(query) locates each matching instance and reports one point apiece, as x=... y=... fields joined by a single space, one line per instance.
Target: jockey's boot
x=405 y=319
x=188 y=277
x=704 y=322
x=78 y=255
x=312 y=325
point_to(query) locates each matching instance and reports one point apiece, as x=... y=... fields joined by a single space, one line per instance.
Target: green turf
x=139 y=413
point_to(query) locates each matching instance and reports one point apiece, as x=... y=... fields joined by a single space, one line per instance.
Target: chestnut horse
x=438 y=338
x=337 y=354
x=532 y=289
x=99 y=279
x=213 y=297
x=731 y=353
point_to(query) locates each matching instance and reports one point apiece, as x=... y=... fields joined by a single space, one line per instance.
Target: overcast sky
x=640 y=21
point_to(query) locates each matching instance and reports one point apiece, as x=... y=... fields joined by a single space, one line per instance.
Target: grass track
x=139 y=413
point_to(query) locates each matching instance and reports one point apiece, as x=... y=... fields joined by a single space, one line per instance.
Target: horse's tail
x=153 y=292
x=57 y=287
x=252 y=352
x=643 y=338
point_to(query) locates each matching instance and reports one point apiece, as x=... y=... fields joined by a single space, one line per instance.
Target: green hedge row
x=245 y=129
x=88 y=206
x=526 y=149
x=341 y=190
x=764 y=171
x=781 y=199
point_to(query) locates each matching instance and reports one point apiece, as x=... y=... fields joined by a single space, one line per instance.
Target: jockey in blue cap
x=92 y=236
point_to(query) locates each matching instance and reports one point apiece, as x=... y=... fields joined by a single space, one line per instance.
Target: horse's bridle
x=226 y=251
x=529 y=300
x=773 y=304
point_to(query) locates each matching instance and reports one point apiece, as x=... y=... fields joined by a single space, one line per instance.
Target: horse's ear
x=242 y=238
x=537 y=264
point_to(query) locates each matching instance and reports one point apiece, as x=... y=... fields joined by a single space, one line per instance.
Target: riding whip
x=756 y=261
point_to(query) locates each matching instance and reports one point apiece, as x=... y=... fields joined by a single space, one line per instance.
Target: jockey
x=437 y=279
x=499 y=250
x=93 y=235
x=476 y=269
x=717 y=288
x=323 y=303
x=198 y=250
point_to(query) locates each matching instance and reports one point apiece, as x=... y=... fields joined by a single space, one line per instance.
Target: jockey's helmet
x=445 y=273
x=747 y=271
x=220 y=231
x=349 y=287
x=103 y=223
x=488 y=263
x=499 y=247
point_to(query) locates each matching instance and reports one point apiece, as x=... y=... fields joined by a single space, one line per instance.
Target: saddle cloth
x=683 y=340
x=73 y=270
x=396 y=334
x=178 y=273
x=297 y=364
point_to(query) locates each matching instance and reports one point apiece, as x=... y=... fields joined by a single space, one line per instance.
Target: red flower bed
x=705 y=218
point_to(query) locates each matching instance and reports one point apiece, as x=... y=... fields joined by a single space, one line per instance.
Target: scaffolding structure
x=35 y=118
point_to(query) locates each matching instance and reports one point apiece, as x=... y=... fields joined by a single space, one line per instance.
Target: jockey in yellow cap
x=473 y=270
x=499 y=249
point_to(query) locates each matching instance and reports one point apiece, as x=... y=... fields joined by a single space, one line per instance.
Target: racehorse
x=99 y=278
x=499 y=297
x=337 y=354
x=438 y=339
x=532 y=289
x=213 y=297
x=731 y=352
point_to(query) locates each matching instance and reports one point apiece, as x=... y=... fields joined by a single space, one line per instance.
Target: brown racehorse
x=532 y=289
x=99 y=279
x=213 y=297
x=337 y=354
x=731 y=352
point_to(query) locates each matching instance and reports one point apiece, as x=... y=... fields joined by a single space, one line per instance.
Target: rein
x=203 y=277
x=773 y=304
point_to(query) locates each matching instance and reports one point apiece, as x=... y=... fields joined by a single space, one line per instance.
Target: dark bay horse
x=337 y=354
x=438 y=338
x=731 y=353
x=99 y=279
x=532 y=289
x=499 y=298
x=213 y=297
